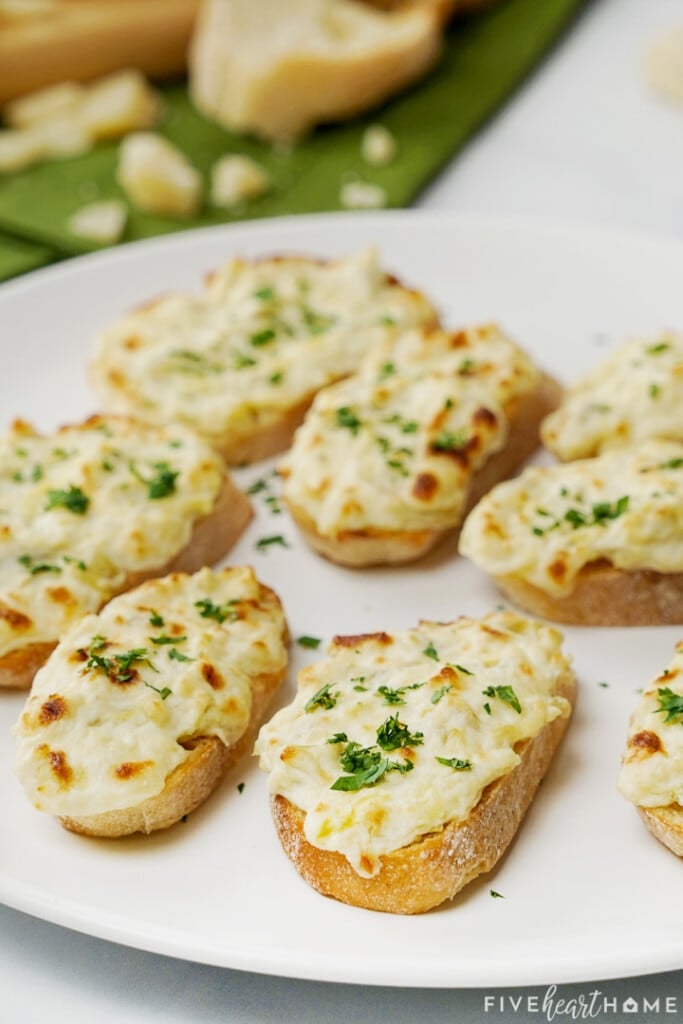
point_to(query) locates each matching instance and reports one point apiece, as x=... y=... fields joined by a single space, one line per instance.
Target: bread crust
x=666 y=824
x=436 y=866
x=605 y=596
x=188 y=785
x=355 y=548
x=213 y=535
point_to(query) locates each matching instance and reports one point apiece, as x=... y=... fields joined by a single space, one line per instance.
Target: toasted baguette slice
x=277 y=68
x=594 y=542
x=403 y=768
x=651 y=776
x=390 y=460
x=141 y=709
x=635 y=394
x=93 y=510
x=241 y=362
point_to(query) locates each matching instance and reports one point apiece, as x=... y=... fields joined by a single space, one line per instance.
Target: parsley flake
x=670 y=703
x=456 y=763
x=218 y=612
x=74 y=500
x=347 y=418
x=322 y=699
x=268 y=542
x=312 y=642
x=393 y=734
x=431 y=652
x=504 y=693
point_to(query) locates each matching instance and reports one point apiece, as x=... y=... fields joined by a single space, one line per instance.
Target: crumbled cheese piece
x=62 y=136
x=362 y=195
x=118 y=104
x=434 y=679
x=651 y=773
x=19 y=150
x=378 y=146
x=157 y=177
x=44 y=104
x=235 y=179
x=664 y=65
x=102 y=222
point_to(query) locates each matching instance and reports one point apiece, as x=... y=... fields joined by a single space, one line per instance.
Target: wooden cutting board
x=47 y=41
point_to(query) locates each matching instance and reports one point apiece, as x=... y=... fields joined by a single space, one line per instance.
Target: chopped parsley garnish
x=218 y=612
x=195 y=363
x=312 y=642
x=242 y=361
x=258 y=485
x=386 y=370
x=496 y=895
x=598 y=515
x=671 y=464
x=392 y=696
x=397 y=465
x=456 y=763
x=448 y=441
x=240 y=787
x=504 y=693
x=121 y=667
x=276 y=378
x=670 y=703
x=263 y=337
x=431 y=652
x=658 y=347
x=37 y=567
x=654 y=390
x=163 y=692
x=155 y=619
x=268 y=542
x=366 y=766
x=441 y=692
x=393 y=734
x=161 y=484
x=317 y=323
x=176 y=655
x=466 y=366
x=347 y=418
x=339 y=737
x=322 y=699
x=461 y=668
x=405 y=426
x=265 y=294
x=161 y=641
x=74 y=500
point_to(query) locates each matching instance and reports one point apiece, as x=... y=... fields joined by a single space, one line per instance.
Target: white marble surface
x=583 y=141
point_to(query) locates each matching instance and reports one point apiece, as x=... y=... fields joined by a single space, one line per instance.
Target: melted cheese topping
x=652 y=766
x=395 y=446
x=633 y=395
x=442 y=681
x=262 y=338
x=91 y=740
x=82 y=508
x=625 y=506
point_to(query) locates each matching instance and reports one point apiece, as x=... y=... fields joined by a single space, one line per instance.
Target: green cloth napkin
x=486 y=57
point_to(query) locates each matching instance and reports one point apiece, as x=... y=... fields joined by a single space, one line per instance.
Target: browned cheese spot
x=425 y=486
x=483 y=417
x=13 y=618
x=80 y=655
x=132 y=342
x=116 y=378
x=60 y=595
x=61 y=768
x=54 y=708
x=458 y=339
x=355 y=639
x=557 y=570
x=212 y=676
x=129 y=769
x=645 y=742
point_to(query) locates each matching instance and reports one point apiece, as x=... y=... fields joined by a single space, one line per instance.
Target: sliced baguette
x=450 y=851
x=499 y=401
x=650 y=774
x=279 y=67
x=594 y=542
x=34 y=618
x=204 y=698
x=241 y=362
